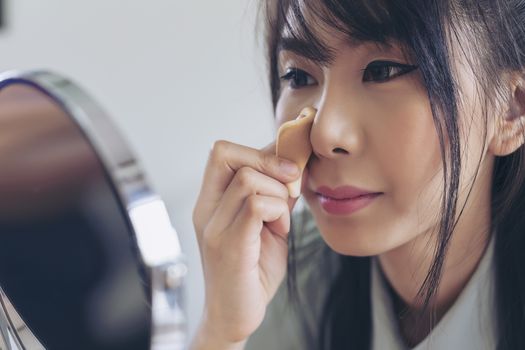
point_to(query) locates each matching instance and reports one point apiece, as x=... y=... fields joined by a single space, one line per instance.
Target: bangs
x=418 y=28
x=376 y=21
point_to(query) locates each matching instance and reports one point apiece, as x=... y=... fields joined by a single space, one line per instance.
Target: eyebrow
x=314 y=52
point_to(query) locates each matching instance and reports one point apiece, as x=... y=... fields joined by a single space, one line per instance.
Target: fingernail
x=288 y=167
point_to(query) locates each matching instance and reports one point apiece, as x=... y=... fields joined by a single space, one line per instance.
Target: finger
x=257 y=210
x=225 y=159
x=246 y=182
x=270 y=148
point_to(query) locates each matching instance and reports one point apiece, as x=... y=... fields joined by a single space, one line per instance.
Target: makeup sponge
x=293 y=143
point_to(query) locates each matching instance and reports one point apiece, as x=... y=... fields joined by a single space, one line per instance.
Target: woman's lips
x=344 y=200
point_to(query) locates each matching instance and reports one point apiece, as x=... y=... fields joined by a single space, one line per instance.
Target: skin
x=376 y=136
x=380 y=136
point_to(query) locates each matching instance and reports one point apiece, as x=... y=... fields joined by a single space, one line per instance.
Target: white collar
x=468 y=324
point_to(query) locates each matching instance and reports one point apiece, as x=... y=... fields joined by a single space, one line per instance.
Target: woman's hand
x=242 y=220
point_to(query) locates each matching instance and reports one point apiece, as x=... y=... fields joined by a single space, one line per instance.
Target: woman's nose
x=336 y=131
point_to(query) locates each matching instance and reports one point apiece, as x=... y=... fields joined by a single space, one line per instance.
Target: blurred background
x=174 y=75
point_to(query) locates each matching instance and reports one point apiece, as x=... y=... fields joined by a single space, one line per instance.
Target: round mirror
x=88 y=256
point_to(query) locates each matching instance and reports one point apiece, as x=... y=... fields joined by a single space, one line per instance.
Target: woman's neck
x=406 y=267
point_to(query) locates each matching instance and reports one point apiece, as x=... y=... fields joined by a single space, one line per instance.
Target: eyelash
x=292 y=74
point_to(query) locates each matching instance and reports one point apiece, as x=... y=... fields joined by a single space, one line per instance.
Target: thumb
x=271 y=149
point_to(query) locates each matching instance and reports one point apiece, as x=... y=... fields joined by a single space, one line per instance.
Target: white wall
x=174 y=75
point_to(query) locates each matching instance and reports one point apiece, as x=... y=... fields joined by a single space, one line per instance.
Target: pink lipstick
x=344 y=200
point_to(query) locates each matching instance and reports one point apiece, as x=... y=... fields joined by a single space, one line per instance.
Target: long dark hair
x=426 y=30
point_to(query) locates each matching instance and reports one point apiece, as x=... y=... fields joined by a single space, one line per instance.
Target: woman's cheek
x=407 y=149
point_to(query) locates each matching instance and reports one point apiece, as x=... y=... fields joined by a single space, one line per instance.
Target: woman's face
x=374 y=131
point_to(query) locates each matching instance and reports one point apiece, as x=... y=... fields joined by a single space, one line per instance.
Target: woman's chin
x=359 y=240
x=354 y=244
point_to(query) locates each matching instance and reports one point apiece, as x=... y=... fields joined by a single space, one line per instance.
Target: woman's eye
x=298 y=78
x=381 y=71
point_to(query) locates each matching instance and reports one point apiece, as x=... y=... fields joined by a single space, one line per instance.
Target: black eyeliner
x=289 y=73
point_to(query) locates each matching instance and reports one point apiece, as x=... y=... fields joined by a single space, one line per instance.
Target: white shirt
x=468 y=324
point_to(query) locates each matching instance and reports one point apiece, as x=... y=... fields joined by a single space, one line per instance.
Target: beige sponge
x=293 y=143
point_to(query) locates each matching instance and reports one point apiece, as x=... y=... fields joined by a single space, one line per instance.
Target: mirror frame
x=153 y=235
